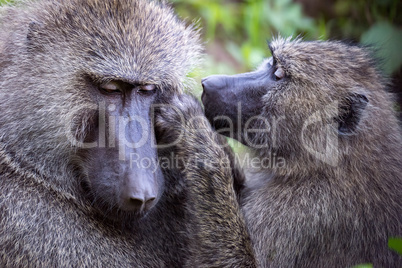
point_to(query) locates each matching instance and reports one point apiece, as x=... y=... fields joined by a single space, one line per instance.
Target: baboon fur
x=337 y=198
x=48 y=219
x=219 y=237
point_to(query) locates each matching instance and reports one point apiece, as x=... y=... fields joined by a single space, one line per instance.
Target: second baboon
x=321 y=123
x=80 y=182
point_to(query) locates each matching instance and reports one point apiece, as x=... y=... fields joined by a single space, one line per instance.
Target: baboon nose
x=139 y=203
x=203 y=82
x=212 y=86
x=213 y=82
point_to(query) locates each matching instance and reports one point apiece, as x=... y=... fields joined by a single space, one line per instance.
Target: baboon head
x=77 y=89
x=308 y=102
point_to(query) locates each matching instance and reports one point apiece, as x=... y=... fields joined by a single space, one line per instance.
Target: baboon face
x=119 y=150
x=94 y=69
x=277 y=106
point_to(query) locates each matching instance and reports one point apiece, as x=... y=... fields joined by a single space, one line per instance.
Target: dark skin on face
x=233 y=101
x=124 y=173
x=223 y=94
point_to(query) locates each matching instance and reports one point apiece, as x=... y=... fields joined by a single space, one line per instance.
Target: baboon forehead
x=141 y=39
x=325 y=50
x=324 y=60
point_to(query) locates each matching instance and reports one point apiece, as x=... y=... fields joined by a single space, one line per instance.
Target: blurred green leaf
x=287 y=17
x=387 y=39
x=322 y=29
x=366 y=265
x=395 y=244
x=342 y=7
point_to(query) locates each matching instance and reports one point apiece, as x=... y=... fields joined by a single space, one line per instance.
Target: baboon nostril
x=150 y=200
x=203 y=97
x=206 y=83
x=149 y=203
x=203 y=83
x=136 y=202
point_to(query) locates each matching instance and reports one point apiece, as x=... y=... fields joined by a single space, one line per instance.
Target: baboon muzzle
x=230 y=101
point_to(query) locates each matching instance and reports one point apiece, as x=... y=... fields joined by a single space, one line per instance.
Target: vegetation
x=236 y=31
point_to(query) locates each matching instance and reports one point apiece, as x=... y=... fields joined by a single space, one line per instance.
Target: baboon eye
x=146 y=89
x=111 y=88
x=279 y=73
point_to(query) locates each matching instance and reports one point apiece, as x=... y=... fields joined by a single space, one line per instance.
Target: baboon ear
x=350 y=113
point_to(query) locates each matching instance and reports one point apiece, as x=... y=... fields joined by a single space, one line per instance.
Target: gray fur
x=47 y=48
x=337 y=208
x=313 y=214
x=219 y=236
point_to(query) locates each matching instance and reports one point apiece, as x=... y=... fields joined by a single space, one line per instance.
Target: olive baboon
x=80 y=181
x=336 y=197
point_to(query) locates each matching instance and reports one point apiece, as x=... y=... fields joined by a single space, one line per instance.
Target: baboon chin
x=323 y=107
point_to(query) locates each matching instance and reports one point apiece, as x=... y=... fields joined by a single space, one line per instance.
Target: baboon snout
x=213 y=82
x=231 y=100
x=214 y=88
x=139 y=194
x=218 y=93
x=220 y=98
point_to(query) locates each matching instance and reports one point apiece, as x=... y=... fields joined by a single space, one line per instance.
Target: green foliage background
x=236 y=32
